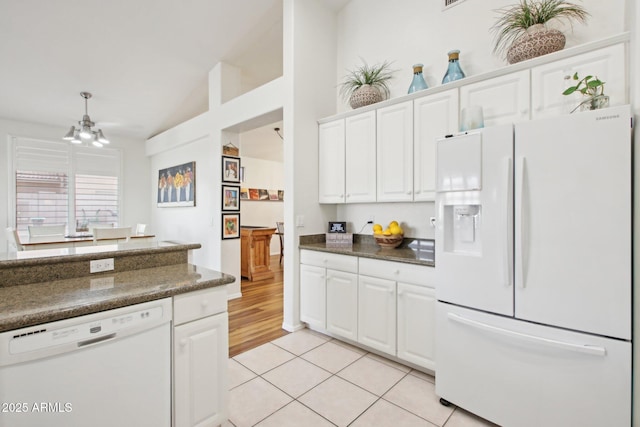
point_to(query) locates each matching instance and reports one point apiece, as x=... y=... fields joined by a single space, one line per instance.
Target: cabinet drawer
x=329 y=260
x=199 y=304
x=398 y=271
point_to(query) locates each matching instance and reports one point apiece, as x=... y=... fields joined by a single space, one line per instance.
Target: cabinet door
x=342 y=304
x=377 y=313
x=360 y=158
x=200 y=372
x=313 y=295
x=417 y=324
x=395 y=153
x=331 y=162
x=503 y=99
x=550 y=80
x=434 y=117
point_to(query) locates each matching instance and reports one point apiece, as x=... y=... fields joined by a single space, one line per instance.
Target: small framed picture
x=230 y=226
x=230 y=198
x=231 y=169
x=337 y=227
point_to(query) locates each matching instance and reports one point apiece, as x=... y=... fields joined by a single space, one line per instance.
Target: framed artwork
x=177 y=186
x=244 y=193
x=230 y=198
x=231 y=169
x=273 y=194
x=230 y=226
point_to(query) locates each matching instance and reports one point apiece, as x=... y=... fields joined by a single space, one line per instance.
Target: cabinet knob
x=204 y=303
x=408 y=192
x=183 y=342
x=390 y=291
x=396 y=272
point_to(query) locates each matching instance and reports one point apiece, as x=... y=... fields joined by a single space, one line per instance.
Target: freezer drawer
x=516 y=373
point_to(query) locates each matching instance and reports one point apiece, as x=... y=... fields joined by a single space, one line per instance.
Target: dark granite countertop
x=64 y=255
x=412 y=251
x=36 y=303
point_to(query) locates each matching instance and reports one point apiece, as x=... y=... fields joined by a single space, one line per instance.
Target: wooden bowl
x=389 y=242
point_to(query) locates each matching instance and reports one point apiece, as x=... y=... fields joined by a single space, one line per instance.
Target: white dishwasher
x=111 y=368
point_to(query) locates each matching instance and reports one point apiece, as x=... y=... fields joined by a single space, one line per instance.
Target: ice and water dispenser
x=458 y=185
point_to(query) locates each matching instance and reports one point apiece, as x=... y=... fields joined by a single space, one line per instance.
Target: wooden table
x=255 y=252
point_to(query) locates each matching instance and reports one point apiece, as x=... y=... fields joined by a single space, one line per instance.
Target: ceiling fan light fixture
x=101 y=138
x=85 y=131
x=76 y=139
x=70 y=134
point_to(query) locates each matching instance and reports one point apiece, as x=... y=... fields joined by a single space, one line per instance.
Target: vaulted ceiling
x=145 y=61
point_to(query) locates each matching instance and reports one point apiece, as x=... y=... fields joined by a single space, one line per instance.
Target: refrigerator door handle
x=508 y=202
x=580 y=348
x=521 y=215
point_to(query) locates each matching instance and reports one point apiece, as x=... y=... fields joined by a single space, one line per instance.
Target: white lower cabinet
x=200 y=358
x=327 y=277
x=377 y=313
x=313 y=295
x=417 y=324
x=387 y=306
x=342 y=304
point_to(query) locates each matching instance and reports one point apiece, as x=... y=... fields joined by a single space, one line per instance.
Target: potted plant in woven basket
x=522 y=32
x=366 y=84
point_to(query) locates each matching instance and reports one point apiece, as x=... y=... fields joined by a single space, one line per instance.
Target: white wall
x=190 y=141
x=268 y=175
x=135 y=172
x=410 y=31
x=201 y=139
x=413 y=217
x=309 y=70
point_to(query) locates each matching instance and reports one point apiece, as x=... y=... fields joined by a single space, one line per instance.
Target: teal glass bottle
x=454 y=72
x=418 y=82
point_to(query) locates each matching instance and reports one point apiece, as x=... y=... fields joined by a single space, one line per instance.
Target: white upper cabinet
x=434 y=116
x=331 y=162
x=550 y=80
x=360 y=152
x=395 y=152
x=503 y=99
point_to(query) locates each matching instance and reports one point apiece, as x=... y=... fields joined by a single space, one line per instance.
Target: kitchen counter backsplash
x=412 y=250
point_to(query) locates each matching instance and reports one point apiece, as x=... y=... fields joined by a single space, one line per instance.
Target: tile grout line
x=347 y=346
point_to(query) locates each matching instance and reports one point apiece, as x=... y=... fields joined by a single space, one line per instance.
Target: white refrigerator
x=534 y=271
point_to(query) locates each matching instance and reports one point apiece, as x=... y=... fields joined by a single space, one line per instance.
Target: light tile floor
x=308 y=379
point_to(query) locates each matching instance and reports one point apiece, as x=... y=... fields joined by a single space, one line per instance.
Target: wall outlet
x=99 y=265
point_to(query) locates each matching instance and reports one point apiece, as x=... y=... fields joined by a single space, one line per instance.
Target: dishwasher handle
x=96 y=340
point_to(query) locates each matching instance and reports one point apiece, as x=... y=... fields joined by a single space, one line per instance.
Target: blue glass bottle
x=454 y=72
x=418 y=82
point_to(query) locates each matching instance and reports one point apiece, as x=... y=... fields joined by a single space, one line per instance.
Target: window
x=56 y=183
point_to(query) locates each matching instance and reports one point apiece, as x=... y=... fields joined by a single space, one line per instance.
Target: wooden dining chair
x=280 y=228
x=47 y=230
x=111 y=233
x=13 y=239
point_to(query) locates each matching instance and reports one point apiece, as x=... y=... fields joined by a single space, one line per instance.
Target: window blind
x=56 y=183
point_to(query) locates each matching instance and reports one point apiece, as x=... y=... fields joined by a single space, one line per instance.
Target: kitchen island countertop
x=36 y=303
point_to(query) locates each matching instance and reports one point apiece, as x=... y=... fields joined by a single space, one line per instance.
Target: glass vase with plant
x=592 y=88
x=367 y=84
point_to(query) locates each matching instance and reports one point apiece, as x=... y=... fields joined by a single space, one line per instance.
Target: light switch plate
x=100 y=265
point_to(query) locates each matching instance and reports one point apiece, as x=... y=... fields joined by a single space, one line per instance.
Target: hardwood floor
x=256 y=318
